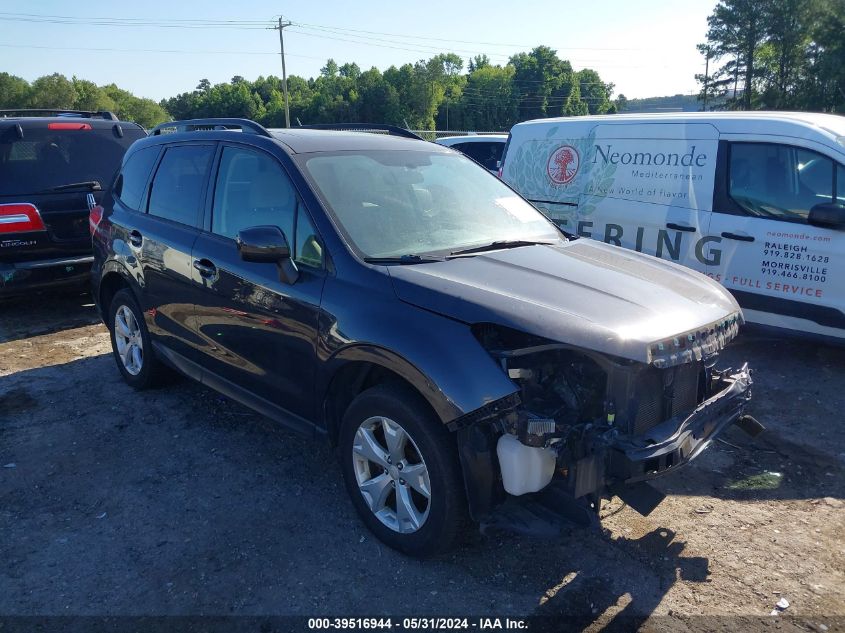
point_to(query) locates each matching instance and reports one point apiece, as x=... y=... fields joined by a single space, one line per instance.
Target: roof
x=831 y=125
x=302 y=141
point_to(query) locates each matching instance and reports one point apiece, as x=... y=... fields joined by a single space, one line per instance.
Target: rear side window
x=252 y=190
x=132 y=181
x=45 y=158
x=179 y=183
x=779 y=181
x=486 y=153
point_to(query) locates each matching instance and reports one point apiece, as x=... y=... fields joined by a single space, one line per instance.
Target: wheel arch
x=359 y=367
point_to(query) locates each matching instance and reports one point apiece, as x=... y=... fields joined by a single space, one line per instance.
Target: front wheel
x=401 y=470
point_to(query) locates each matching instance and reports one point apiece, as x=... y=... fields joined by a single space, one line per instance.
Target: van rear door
x=649 y=187
x=784 y=271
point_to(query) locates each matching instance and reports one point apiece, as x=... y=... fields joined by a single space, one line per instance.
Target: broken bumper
x=669 y=446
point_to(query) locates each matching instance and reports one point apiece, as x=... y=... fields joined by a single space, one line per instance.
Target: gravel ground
x=178 y=501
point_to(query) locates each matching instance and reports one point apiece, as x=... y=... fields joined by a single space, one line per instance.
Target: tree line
x=776 y=55
x=57 y=91
x=431 y=94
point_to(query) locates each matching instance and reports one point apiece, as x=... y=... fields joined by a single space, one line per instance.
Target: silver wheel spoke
x=376 y=491
x=407 y=515
x=417 y=477
x=136 y=357
x=367 y=446
x=396 y=439
x=122 y=327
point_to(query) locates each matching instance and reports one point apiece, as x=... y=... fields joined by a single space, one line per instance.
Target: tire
x=395 y=508
x=142 y=370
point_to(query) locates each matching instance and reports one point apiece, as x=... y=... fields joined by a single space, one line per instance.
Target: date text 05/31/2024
x=415 y=624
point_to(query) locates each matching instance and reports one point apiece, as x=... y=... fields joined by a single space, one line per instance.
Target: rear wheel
x=401 y=470
x=130 y=342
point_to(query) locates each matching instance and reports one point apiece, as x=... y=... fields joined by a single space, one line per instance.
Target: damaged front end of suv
x=585 y=425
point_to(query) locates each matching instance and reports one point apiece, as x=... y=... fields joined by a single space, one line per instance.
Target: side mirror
x=267 y=244
x=827 y=215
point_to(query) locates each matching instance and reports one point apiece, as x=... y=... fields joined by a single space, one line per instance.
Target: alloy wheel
x=127 y=337
x=391 y=474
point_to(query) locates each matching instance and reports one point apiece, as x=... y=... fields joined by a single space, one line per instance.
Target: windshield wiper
x=404 y=259
x=92 y=185
x=500 y=244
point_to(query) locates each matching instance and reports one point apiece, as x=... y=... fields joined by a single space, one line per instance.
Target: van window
x=252 y=190
x=132 y=181
x=179 y=182
x=779 y=181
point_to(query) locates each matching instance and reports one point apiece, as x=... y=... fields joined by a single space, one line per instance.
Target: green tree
x=52 y=91
x=14 y=91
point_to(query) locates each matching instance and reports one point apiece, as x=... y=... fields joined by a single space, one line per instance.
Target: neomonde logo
x=563 y=164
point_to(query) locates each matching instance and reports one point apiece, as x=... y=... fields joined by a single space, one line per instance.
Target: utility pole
x=281 y=28
x=706 y=75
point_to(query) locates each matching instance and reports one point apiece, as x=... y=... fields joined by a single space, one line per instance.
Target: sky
x=645 y=47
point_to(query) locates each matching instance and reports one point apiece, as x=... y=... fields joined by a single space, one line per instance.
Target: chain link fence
x=433 y=135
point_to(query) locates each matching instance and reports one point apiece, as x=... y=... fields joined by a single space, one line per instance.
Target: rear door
x=783 y=271
x=162 y=238
x=257 y=333
x=39 y=158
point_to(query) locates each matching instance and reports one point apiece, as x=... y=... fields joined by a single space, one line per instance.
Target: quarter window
x=308 y=248
x=177 y=189
x=779 y=181
x=252 y=190
x=133 y=178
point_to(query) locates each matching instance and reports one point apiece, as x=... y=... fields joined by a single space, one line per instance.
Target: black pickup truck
x=50 y=161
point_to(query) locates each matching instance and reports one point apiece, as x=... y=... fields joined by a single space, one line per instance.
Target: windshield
x=394 y=203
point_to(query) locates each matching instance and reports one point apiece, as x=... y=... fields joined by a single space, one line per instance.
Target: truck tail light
x=20 y=218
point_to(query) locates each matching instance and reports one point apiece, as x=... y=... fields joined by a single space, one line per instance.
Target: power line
x=152 y=50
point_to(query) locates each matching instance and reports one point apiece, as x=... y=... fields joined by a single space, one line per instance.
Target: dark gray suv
x=394 y=297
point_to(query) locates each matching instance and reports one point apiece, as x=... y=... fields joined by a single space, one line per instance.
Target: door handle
x=135 y=238
x=679 y=227
x=737 y=236
x=206 y=268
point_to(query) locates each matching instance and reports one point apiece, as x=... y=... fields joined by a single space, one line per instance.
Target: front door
x=783 y=271
x=258 y=333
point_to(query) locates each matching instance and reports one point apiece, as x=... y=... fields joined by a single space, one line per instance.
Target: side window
x=251 y=190
x=132 y=180
x=486 y=153
x=779 y=181
x=308 y=249
x=840 y=184
x=178 y=185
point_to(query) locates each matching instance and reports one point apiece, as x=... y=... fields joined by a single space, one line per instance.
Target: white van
x=755 y=200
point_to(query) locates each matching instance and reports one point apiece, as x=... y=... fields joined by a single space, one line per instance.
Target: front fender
x=438 y=356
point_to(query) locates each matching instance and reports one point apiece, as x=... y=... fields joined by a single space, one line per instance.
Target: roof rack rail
x=203 y=125
x=85 y=114
x=393 y=130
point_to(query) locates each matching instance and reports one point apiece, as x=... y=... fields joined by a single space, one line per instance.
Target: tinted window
x=46 y=158
x=486 y=153
x=177 y=189
x=308 y=248
x=779 y=181
x=252 y=190
x=133 y=179
x=840 y=184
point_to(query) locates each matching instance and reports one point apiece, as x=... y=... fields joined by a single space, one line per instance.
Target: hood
x=582 y=293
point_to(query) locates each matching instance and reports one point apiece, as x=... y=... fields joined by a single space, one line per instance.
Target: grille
x=652 y=395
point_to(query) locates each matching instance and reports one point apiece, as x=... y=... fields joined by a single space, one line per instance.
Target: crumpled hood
x=584 y=293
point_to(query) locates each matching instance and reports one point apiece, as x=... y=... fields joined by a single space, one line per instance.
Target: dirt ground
x=179 y=501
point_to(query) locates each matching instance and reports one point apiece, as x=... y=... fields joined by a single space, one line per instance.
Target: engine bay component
x=524 y=468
